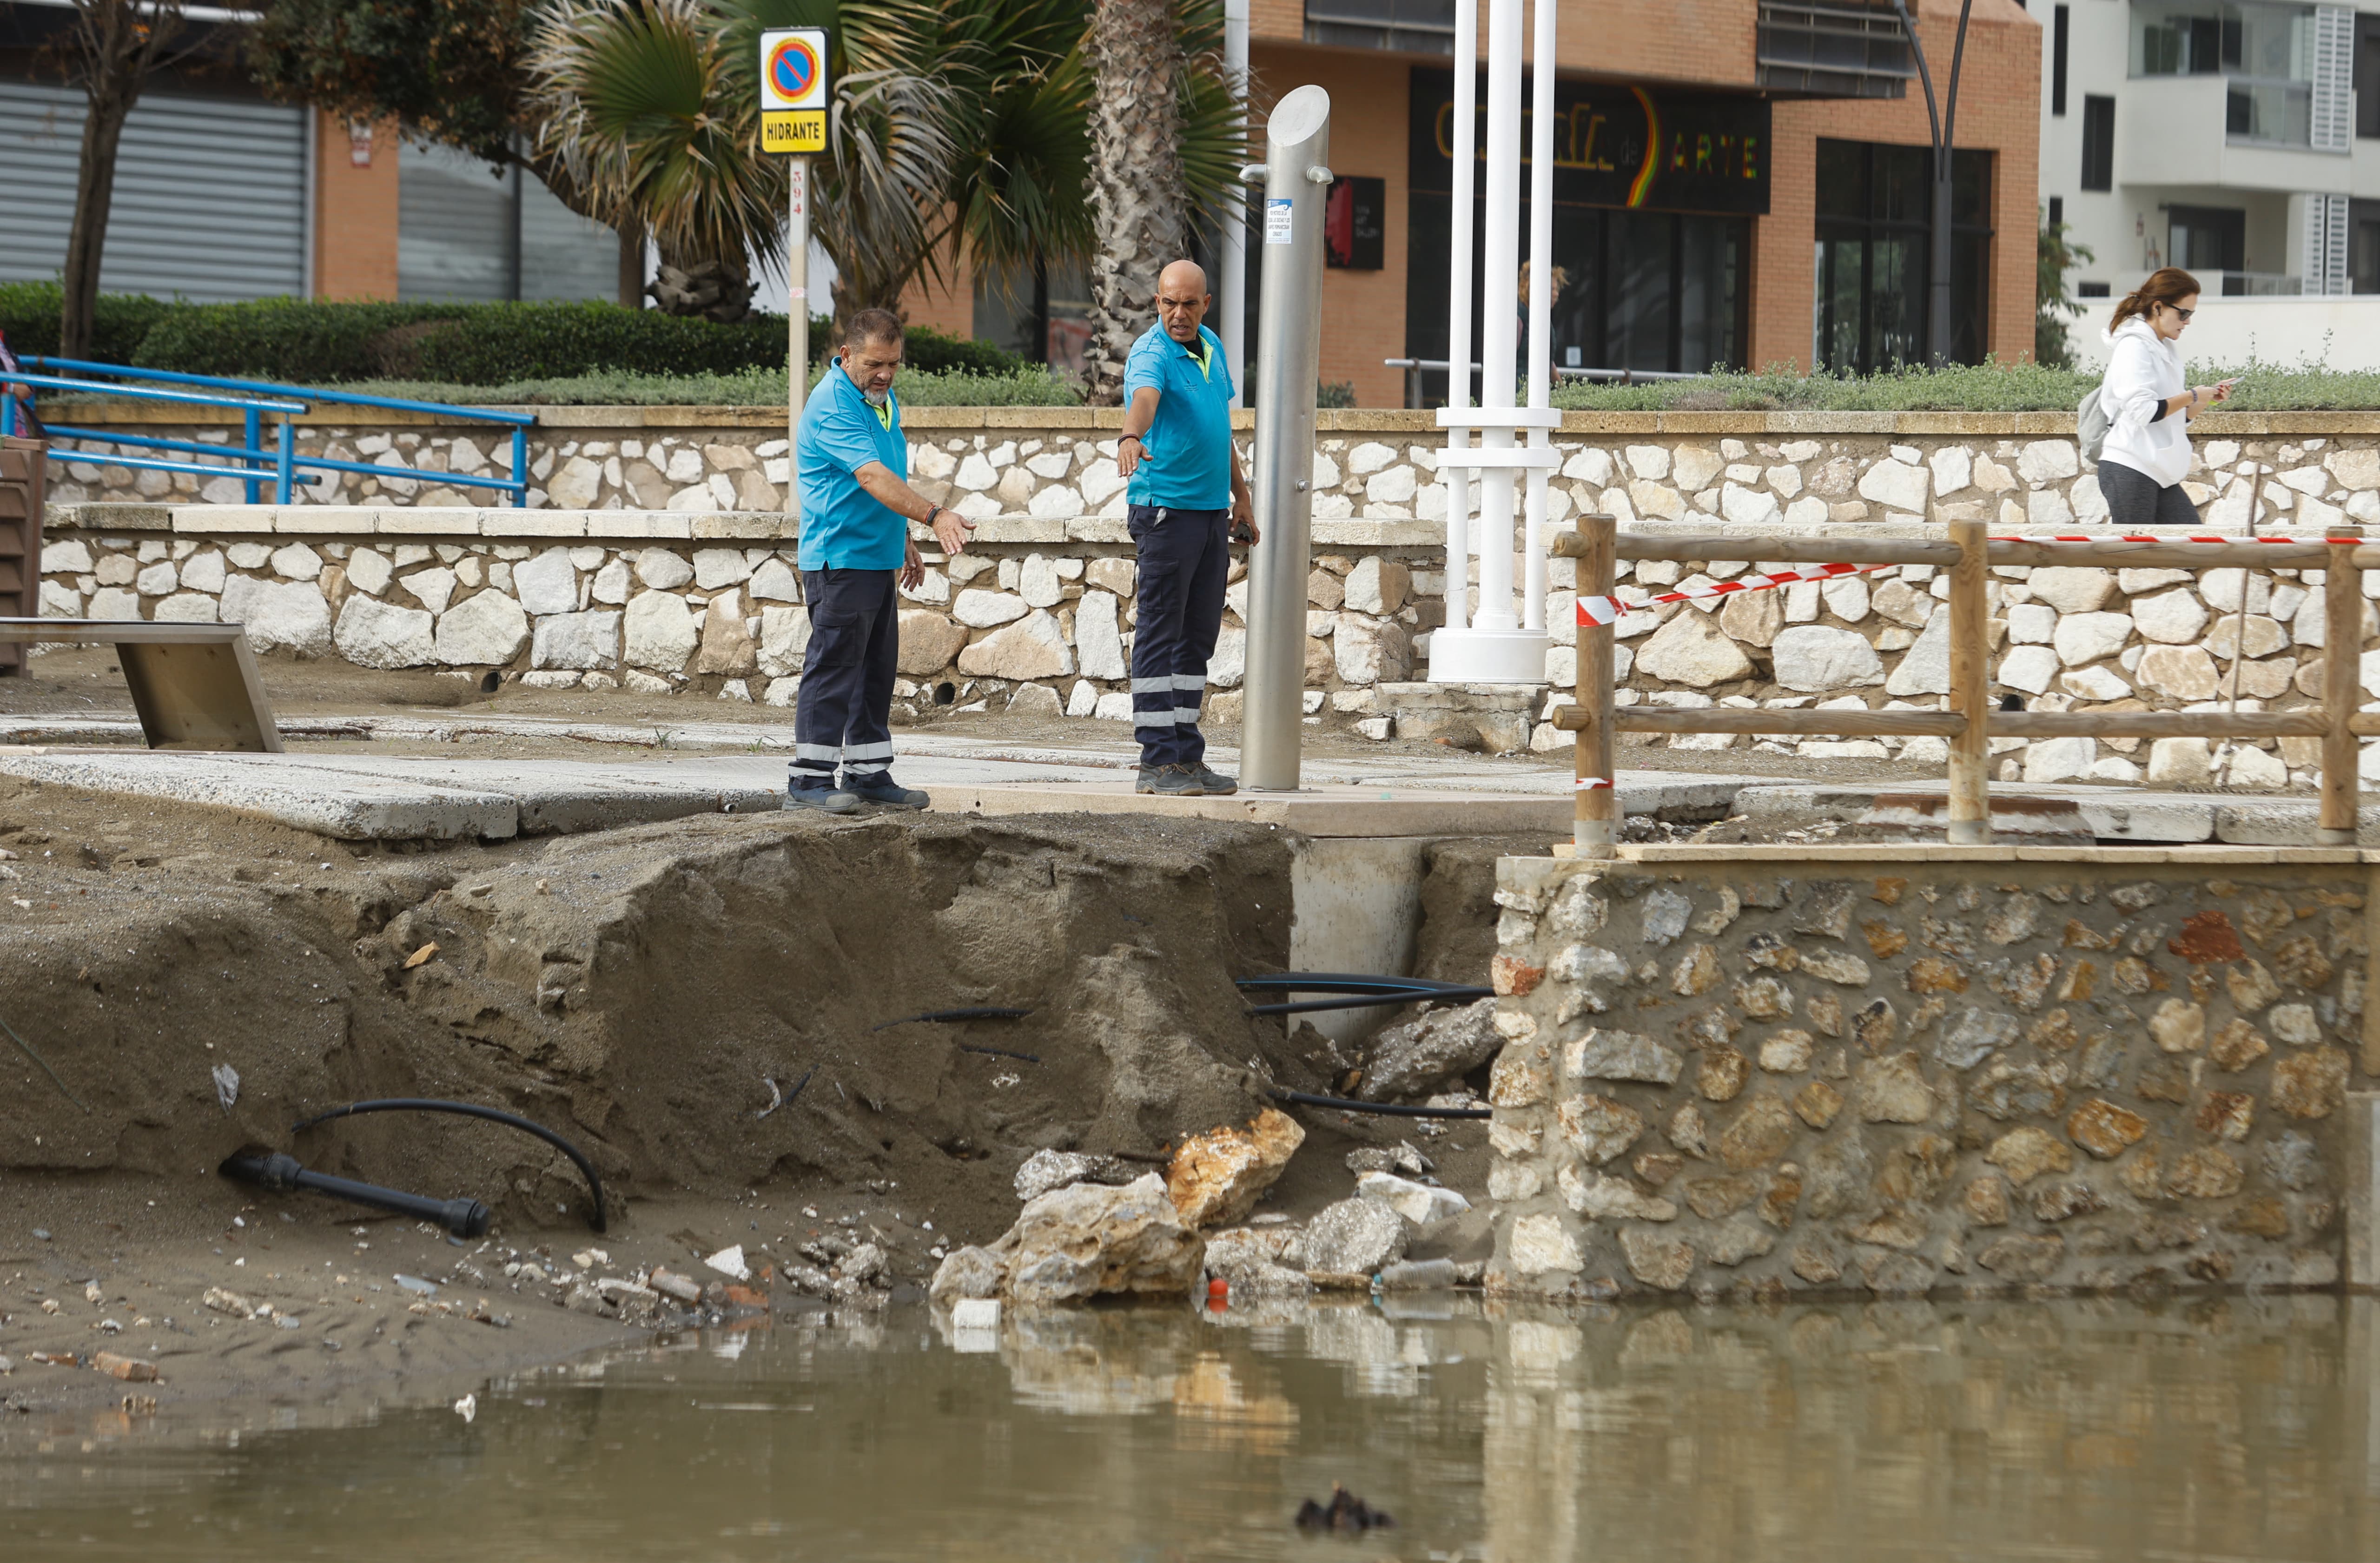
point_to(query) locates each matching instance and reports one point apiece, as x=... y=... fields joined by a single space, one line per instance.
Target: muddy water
x=2229 y=1429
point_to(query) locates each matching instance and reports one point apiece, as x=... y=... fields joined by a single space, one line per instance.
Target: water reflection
x=2234 y=1428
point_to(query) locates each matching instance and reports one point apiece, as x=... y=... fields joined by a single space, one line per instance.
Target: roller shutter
x=210 y=193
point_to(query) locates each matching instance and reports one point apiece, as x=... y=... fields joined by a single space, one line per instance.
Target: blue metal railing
x=252 y=458
x=283 y=457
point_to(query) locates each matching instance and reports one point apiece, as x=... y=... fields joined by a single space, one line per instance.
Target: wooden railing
x=1970 y=723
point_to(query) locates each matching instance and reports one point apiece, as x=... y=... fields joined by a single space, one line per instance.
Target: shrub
x=30 y=311
x=1030 y=385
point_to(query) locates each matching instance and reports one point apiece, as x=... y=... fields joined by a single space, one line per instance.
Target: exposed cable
x=466 y=1109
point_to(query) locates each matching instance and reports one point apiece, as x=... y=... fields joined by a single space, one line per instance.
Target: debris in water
x=729 y=1262
x=467 y=1407
x=1345 y=1512
x=420 y=955
x=226 y=1085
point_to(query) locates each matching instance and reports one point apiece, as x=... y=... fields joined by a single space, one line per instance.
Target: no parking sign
x=793 y=89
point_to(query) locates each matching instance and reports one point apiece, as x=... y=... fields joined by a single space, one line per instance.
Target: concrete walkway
x=365 y=797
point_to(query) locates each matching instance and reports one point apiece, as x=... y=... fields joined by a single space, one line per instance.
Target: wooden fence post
x=1595 y=817
x=1971 y=803
x=2342 y=657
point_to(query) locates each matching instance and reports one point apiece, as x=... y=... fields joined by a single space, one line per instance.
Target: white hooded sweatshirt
x=2144 y=370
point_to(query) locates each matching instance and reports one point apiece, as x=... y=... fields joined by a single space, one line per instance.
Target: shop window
x=2364 y=247
x=1041 y=313
x=2367 y=75
x=1874 y=243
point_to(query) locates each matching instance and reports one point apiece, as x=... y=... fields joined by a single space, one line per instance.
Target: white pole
x=1500 y=299
x=1458 y=324
x=1235 y=216
x=797 y=314
x=1541 y=301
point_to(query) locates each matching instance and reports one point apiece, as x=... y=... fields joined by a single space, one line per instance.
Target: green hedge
x=30 y=311
x=1030 y=385
x=1992 y=387
x=311 y=342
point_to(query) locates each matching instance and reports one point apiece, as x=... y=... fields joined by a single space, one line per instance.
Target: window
x=2060 y=24
x=2364 y=247
x=2207 y=238
x=2367 y=75
x=2098 y=143
x=1874 y=243
x=1042 y=312
x=2091 y=290
x=2056 y=210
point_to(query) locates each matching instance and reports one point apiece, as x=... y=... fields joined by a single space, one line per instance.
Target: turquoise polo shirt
x=843 y=526
x=1187 y=452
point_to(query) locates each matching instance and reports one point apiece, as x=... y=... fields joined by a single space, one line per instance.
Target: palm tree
x=958 y=127
x=1137 y=198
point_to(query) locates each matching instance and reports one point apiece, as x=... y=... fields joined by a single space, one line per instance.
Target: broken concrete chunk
x=1084 y=1240
x=729 y=1262
x=1417 y=1203
x=1355 y=1237
x=1044 y=1171
x=670 y=1283
x=1436 y=1047
x=1218 y=1177
x=969 y=1272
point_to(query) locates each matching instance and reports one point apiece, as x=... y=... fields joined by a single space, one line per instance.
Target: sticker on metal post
x=793 y=89
x=1277 y=222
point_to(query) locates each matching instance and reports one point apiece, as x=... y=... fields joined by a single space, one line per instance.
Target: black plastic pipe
x=464 y=1217
x=466 y=1109
x=1359 y=991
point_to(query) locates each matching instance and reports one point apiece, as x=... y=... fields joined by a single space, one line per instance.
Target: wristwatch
x=932 y=511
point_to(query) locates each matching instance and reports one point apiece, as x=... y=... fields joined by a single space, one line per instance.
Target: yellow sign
x=793 y=130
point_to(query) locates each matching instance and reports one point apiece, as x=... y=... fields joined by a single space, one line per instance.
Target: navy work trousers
x=843 y=708
x=1185 y=559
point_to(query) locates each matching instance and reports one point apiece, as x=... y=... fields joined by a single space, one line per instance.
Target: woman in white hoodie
x=2148 y=407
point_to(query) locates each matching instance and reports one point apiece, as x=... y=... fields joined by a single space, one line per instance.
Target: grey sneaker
x=825 y=800
x=1170 y=781
x=1215 y=782
x=885 y=792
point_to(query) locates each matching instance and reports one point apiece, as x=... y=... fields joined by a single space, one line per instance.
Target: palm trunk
x=1139 y=207
x=632 y=266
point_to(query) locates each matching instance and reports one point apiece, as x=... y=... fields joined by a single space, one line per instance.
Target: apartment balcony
x=2210 y=130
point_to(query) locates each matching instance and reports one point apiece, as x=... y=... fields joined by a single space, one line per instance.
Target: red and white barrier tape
x=1589 y=783
x=2166 y=538
x=1604 y=610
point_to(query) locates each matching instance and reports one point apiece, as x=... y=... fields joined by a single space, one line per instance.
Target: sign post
x=792 y=119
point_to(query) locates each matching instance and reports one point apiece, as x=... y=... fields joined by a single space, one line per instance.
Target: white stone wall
x=677 y=573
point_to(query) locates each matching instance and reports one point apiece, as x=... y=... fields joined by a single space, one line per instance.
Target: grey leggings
x=2135 y=499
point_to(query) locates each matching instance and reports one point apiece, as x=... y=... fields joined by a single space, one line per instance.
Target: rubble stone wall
x=1042 y=610
x=1846 y=1069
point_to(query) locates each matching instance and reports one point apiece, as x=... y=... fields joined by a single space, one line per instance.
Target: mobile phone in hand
x=1243 y=533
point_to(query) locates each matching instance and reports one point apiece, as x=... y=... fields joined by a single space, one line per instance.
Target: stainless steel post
x=1289 y=359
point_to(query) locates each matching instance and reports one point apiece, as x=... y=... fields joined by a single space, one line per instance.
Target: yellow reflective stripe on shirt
x=1203 y=358
x=884 y=411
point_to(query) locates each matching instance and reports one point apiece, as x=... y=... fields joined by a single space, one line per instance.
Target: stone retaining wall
x=1765 y=1073
x=1042 y=612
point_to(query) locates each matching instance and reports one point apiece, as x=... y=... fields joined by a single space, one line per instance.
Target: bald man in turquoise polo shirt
x=1186 y=501
x=851 y=463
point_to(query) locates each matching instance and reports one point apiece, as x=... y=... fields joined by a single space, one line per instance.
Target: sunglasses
x=2181 y=314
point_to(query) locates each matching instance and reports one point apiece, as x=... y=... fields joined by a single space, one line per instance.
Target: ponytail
x=2166 y=284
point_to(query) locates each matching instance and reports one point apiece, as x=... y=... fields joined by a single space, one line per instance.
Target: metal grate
x=1832 y=49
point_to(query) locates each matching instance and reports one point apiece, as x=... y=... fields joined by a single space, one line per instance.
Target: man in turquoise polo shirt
x=1187 y=501
x=852 y=464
